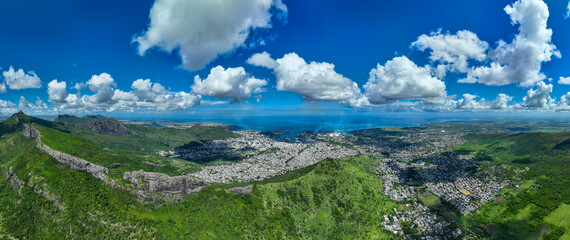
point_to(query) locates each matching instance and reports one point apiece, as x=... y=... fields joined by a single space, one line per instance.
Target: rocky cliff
x=241 y=190
x=33 y=182
x=30 y=132
x=75 y=162
x=160 y=182
x=15 y=182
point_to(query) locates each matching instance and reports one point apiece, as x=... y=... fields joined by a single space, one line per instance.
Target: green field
x=561 y=218
x=429 y=199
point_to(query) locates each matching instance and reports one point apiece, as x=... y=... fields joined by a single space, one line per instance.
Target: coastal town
x=416 y=164
x=262 y=157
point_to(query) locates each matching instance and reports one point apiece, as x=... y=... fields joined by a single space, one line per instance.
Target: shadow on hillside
x=209 y=152
x=444 y=167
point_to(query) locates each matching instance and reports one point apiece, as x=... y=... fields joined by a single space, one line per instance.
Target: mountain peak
x=20 y=116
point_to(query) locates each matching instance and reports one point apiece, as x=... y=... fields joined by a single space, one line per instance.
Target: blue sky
x=72 y=41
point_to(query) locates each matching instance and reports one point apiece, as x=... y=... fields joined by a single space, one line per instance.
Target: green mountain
x=15 y=122
x=96 y=123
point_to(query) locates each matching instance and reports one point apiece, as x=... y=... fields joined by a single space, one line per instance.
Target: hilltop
x=15 y=122
x=71 y=119
x=96 y=123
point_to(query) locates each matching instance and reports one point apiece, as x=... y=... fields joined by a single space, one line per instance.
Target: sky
x=285 y=56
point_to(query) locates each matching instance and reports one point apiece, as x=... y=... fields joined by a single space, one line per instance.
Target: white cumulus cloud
x=564 y=80
x=180 y=101
x=145 y=90
x=7 y=107
x=540 y=97
x=102 y=85
x=400 y=79
x=314 y=81
x=3 y=87
x=262 y=60
x=21 y=80
x=452 y=50
x=521 y=60
x=231 y=83
x=469 y=101
x=57 y=91
x=501 y=102
x=145 y=96
x=201 y=30
x=564 y=104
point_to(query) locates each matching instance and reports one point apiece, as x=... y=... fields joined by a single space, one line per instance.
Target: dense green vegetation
x=273 y=211
x=338 y=199
x=151 y=139
x=85 y=201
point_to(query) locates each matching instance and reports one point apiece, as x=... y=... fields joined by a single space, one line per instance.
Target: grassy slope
x=338 y=199
x=561 y=218
x=71 y=119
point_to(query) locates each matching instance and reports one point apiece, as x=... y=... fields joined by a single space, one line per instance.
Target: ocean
x=344 y=122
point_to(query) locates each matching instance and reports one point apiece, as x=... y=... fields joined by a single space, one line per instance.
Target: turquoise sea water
x=344 y=122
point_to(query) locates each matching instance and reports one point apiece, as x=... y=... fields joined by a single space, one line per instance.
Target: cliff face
x=40 y=189
x=30 y=132
x=15 y=182
x=160 y=182
x=76 y=163
x=241 y=190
